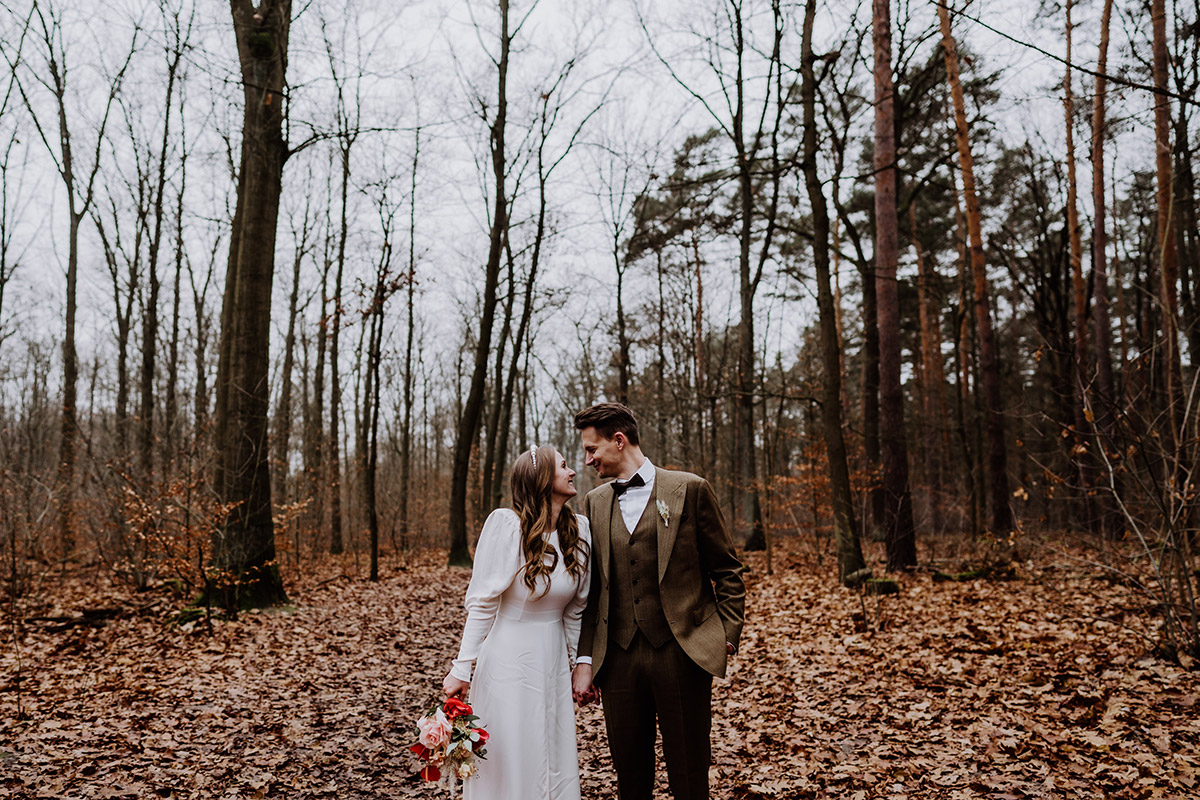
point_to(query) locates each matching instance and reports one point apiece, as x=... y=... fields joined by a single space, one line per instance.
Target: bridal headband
x=533 y=455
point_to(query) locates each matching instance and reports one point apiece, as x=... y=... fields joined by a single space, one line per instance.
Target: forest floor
x=1038 y=686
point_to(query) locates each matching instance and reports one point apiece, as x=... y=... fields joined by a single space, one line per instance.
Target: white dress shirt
x=634 y=501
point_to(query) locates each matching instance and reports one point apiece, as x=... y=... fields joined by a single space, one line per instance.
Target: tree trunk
x=1168 y=267
x=334 y=441
x=244 y=547
x=989 y=365
x=492 y=469
x=964 y=354
x=845 y=533
x=933 y=378
x=1105 y=395
x=171 y=415
x=150 y=320
x=1079 y=292
x=468 y=425
x=314 y=451
x=898 y=520
x=402 y=510
x=283 y=411
x=749 y=276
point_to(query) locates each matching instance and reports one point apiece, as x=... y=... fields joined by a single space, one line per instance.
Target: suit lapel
x=669 y=490
x=602 y=529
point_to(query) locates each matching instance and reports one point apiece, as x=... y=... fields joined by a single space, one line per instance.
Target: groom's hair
x=608 y=419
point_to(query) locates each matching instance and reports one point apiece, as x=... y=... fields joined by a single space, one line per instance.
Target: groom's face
x=603 y=455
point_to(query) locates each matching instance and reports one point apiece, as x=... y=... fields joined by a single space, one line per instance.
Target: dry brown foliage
x=979 y=689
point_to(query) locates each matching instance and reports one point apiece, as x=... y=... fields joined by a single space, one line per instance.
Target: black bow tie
x=620 y=488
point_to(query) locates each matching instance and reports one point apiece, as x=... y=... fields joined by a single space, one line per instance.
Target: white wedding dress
x=523 y=645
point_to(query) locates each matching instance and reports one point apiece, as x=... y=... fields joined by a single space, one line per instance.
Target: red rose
x=421 y=750
x=431 y=773
x=483 y=737
x=455 y=708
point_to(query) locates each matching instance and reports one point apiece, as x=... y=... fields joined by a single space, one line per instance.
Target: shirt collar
x=646 y=470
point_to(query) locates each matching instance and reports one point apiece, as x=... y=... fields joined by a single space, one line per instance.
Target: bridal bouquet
x=449 y=741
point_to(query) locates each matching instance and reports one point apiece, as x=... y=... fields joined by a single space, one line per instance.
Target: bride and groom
x=637 y=602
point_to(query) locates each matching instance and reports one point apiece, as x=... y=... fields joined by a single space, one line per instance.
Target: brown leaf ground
x=949 y=690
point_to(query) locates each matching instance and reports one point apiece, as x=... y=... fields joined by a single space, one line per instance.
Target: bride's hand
x=453 y=687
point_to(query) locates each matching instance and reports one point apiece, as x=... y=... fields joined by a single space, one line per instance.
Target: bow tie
x=620 y=488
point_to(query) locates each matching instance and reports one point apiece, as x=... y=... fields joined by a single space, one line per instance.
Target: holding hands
x=582 y=688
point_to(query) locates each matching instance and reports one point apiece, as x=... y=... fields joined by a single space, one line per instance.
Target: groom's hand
x=582 y=688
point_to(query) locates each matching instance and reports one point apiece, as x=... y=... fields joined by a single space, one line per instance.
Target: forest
x=286 y=288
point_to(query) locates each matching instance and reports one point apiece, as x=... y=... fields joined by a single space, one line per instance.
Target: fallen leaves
x=948 y=690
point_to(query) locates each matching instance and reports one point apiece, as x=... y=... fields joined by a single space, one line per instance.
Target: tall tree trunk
x=933 y=378
x=283 y=411
x=383 y=289
x=989 y=363
x=845 y=533
x=150 y=322
x=964 y=353
x=1104 y=396
x=898 y=520
x=468 y=425
x=1079 y=291
x=171 y=416
x=244 y=547
x=749 y=276
x=402 y=510
x=314 y=451
x=492 y=469
x=523 y=327
x=1168 y=267
x=200 y=410
x=334 y=440
x=373 y=441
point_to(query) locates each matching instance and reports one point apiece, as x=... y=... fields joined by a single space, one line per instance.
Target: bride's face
x=564 y=478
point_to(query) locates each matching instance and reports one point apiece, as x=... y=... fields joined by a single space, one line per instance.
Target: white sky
x=423 y=61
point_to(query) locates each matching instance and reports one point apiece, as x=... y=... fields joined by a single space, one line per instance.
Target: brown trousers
x=642 y=683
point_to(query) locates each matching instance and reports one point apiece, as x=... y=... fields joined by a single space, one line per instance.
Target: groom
x=665 y=609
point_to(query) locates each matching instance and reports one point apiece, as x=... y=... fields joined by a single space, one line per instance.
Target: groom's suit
x=666 y=598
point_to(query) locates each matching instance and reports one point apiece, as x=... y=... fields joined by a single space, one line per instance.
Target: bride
x=524 y=604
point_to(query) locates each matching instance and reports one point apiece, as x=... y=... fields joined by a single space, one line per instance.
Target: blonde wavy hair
x=532 y=482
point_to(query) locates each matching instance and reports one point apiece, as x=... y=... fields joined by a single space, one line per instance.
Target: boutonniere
x=663 y=512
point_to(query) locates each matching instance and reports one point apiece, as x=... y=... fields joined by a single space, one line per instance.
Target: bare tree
x=1079 y=287
x=408 y=379
x=12 y=173
x=845 y=532
x=244 y=547
x=53 y=74
x=759 y=170
x=1168 y=265
x=472 y=409
x=989 y=366
x=1105 y=394
x=303 y=243
x=178 y=32
x=898 y=525
x=346 y=121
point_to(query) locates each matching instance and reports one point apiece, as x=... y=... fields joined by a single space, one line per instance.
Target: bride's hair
x=532 y=482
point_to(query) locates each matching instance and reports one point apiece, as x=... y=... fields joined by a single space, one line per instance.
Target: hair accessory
x=533 y=455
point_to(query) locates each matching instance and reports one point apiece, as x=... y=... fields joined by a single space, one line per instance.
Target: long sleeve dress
x=523 y=645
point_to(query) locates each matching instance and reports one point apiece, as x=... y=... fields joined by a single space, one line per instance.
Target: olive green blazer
x=699 y=576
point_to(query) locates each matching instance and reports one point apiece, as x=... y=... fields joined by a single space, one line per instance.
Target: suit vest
x=635 y=603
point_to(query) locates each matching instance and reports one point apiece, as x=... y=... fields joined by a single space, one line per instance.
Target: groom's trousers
x=640 y=684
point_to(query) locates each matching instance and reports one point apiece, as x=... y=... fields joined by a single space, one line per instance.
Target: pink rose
x=435 y=730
